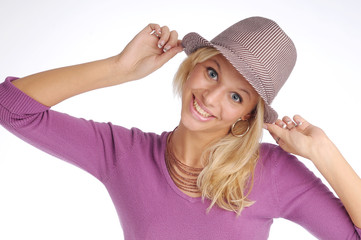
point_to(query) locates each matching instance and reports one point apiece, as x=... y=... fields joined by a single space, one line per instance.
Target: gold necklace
x=187 y=182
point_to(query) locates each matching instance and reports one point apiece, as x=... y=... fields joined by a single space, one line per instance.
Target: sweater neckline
x=167 y=176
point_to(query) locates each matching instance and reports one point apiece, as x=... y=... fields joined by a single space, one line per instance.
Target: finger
x=275 y=137
x=154 y=29
x=289 y=123
x=280 y=123
x=164 y=36
x=302 y=124
x=155 y=33
x=179 y=44
x=276 y=131
x=172 y=42
x=166 y=56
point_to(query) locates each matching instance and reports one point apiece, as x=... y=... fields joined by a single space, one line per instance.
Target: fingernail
x=166 y=48
x=160 y=44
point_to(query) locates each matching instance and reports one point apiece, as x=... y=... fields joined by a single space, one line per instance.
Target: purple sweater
x=131 y=165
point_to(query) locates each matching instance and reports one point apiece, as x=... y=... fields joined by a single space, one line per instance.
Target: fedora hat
x=259 y=50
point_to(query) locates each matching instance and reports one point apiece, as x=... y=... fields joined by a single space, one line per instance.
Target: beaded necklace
x=184 y=176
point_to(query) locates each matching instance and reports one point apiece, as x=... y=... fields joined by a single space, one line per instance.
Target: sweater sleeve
x=95 y=147
x=304 y=199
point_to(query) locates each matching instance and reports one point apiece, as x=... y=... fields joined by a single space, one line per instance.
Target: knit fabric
x=131 y=165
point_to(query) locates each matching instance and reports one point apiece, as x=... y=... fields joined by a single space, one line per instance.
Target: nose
x=213 y=95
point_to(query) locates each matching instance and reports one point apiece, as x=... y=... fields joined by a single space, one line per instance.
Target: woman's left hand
x=298 y=136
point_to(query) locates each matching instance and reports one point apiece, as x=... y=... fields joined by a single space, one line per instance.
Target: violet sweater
x=131 y=165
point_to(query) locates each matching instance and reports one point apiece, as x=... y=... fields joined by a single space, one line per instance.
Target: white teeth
x=200 y=110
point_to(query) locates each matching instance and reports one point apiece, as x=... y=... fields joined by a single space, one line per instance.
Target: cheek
x=186 y=92
x=230 y=114
x=188 y=85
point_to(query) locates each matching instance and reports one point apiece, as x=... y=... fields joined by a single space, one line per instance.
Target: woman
x=210 y=178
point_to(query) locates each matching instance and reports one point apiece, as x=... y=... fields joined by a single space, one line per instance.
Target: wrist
x=118 y=70
x=325 y=153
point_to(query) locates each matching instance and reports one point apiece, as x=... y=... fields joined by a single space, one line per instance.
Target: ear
x=251 y=114
x=247 y=116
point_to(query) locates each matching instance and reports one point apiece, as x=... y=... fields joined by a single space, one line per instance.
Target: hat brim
x=193 y=41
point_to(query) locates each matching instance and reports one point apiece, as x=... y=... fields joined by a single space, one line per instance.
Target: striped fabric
x=259 y=49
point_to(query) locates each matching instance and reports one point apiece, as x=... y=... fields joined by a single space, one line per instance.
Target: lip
x=197 y=114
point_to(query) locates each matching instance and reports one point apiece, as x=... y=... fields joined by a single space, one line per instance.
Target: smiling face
x=214 y=96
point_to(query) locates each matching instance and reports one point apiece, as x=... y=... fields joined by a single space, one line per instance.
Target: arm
x=140 y=57
x=301 y=138
x=95 y=147
x=92 y=146
x=302 y=198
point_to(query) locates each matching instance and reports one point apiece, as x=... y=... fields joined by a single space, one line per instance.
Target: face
x=215 y=96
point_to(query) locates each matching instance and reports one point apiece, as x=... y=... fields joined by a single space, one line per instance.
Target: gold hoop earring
x=239 y=135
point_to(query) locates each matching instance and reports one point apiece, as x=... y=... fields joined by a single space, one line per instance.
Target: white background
x=44 y=198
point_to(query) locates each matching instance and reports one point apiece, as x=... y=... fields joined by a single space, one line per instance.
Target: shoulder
x=133 y=140
x=273 y=154
x=136 y=134
x=149 y=137
x=289 y=175
x=281 y=163
x=141 y=140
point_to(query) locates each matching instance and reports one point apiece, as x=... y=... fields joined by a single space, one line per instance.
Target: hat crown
x=266 y=50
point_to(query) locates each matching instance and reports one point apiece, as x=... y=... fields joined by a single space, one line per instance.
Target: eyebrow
x=244 y=90
x=220 y=70
x=218 y=65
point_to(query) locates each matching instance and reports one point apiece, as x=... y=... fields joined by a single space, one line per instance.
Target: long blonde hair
x=227 y=178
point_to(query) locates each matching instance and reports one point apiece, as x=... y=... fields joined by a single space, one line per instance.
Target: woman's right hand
x=147 y=52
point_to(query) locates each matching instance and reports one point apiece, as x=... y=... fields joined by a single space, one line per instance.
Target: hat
x=259 y=50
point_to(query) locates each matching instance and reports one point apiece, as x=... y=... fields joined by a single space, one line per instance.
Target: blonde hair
x=227 y=178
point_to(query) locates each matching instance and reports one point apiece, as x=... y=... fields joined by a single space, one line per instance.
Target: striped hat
x=260 y=51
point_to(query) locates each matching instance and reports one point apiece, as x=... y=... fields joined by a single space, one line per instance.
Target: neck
x=188 y=146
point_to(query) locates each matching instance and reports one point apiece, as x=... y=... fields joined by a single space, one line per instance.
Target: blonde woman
x=210 y=178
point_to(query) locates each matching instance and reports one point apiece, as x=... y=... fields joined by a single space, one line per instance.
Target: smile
x=200 y=112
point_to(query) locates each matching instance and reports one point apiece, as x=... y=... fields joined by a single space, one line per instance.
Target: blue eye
x=236 y=97
x=212 y=73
